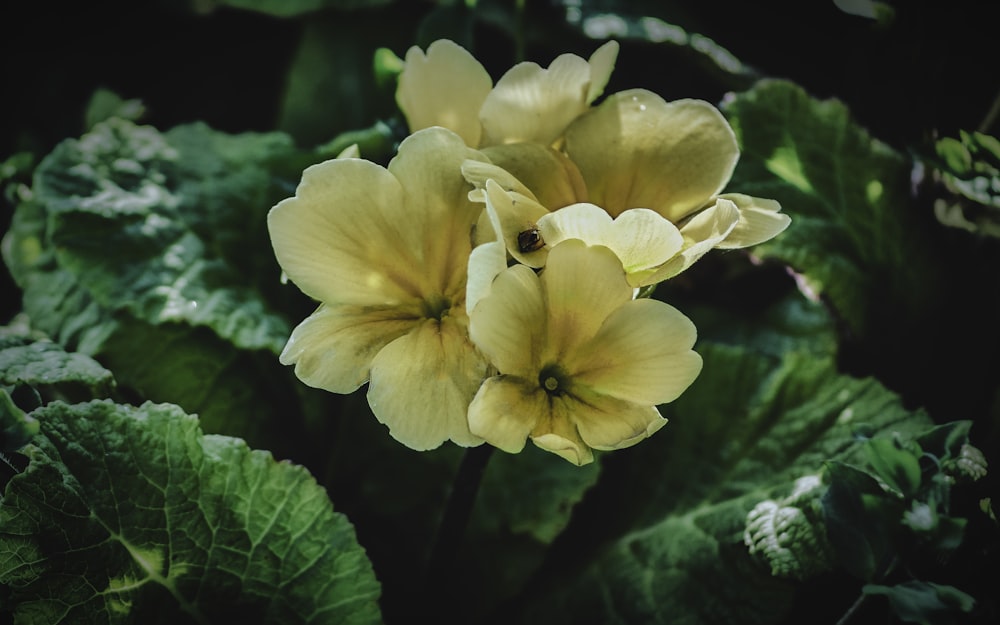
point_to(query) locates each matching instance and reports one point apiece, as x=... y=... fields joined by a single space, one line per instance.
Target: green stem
x=458 y=509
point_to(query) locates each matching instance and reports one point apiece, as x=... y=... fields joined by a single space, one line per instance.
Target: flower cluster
x=484 y=284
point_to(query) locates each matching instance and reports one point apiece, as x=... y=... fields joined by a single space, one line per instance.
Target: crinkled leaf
x=132 y=515
x=51 y=371
x=671 y=512
x=159 y=225
x=149 y=251
x=854 y=234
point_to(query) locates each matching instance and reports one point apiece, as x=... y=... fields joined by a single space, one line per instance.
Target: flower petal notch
x=580 y=364
x=444 y=87
x=760 y=220
x=642 y=239
x=448 y=87
x=636 y=150
x=385 y=251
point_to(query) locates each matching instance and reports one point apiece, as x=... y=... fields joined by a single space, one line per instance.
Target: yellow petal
x=602 y=62
x=422 y=384
x=702 y=232
x=437 y=214
x=509 y=324
x=446 y=87
x=485 y=263
x=331 y=237
x=333 y=348
x=637 y=151
x=641 y=354
x=505 y=410
x=642 y=239
x=533 y=104
x=516 y=215
x=582 y=286
x=608 y=423
x=569 y=448
x=554 y=180
x=760 y=220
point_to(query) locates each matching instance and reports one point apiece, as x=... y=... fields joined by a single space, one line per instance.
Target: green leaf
x=130 y=514
x=331 y=86
x=149 y=223
x=859 y=520
x=853 y=233
x=924 y=602
x=16 y=427
x=898 y=466
x=149 y=251
x=51 y=371
x=660 y=539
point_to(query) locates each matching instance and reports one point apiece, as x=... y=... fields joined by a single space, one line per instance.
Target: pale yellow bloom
x=634 y=151
x=385 y=251
x=581 y=364
x=447 y=86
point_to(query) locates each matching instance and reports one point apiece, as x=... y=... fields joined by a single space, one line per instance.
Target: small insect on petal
x=529 y=240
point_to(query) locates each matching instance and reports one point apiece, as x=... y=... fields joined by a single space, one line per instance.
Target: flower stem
x=458 y=509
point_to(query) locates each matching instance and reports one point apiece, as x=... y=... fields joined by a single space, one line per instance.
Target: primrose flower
x=634 y=151
x=581 y=364
x=385 y=251
x=448 y=87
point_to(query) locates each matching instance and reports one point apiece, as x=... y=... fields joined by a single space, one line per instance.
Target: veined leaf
x=661 y=538
x=130 y=514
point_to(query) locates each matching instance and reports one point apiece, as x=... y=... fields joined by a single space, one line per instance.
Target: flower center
x=435 y=307
x=553 y=380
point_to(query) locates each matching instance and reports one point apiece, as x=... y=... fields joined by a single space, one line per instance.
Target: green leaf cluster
x=158 y=464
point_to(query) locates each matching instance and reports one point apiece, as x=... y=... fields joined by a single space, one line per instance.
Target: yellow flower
x=581 y=365
x=447 y=86
x=385 y=251
x=632 y=151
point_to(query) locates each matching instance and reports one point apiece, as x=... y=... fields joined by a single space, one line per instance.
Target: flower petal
x=333 y=348
x=533 y=104
x=642 y=239
x=332 y=237
x=422 y=384
x=516 y=214
x=505 y=410
x=760 y=220
x=582 y=286
x=446 y=87
x=609 y=423
x=485 y=263
x=702 y=232
x=641 y=354
x=557 y=432
x=637 y=151
x=508 y=325
x=602 y=63
x=553 y=179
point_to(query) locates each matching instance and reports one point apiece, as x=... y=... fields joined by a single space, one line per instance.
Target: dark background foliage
x=927 y=72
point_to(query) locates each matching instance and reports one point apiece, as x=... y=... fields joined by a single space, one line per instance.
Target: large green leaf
x=162 y=225
x=131 y=515
x=854 y=233
x=662 y=538
x=149 y=251
x=51 y=371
